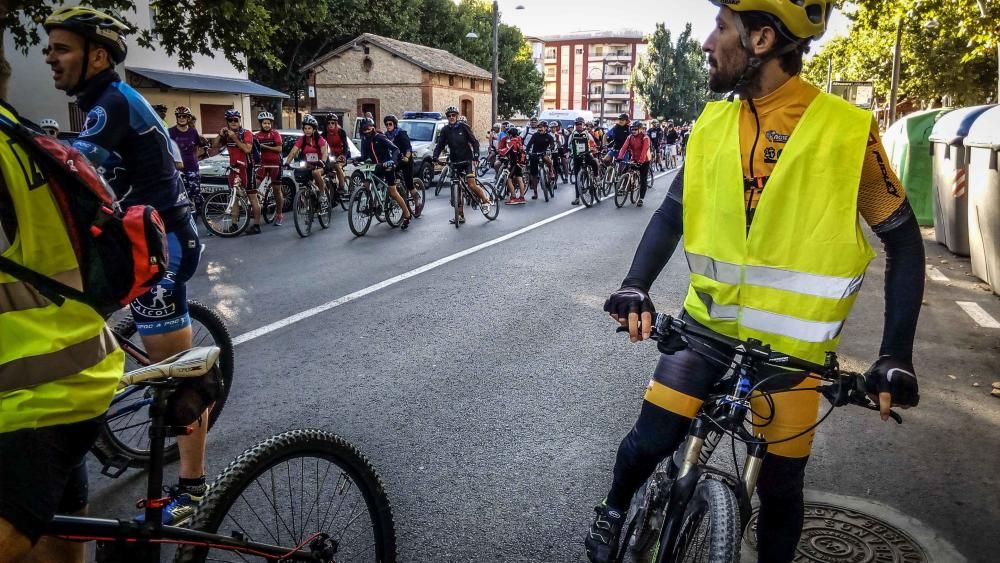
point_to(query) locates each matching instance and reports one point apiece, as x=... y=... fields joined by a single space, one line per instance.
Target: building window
x=579 y=50
x=451 y=81
x=550 y=71
x=472 y=84
x=550 y=52
x=599 y=50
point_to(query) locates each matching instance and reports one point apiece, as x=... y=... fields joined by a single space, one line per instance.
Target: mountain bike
x=308 y=205
x=612 y=173
x=628 y=185
x=690 y=511
x=227 y=213
x=124 y=438
x=500 y=183
x=443 y=178
x=338 y=194
x=585 y=183
x=372 y=199
x=460 y=193
x=320 y=498
x=486 y=162
x=546 y=183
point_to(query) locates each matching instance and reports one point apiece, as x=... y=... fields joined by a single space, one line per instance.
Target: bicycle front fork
x=699 y=446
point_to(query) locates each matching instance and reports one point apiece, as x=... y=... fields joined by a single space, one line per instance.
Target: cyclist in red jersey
x=239 y=143
x=315 y=152
x=270 y=161
x=340 y=150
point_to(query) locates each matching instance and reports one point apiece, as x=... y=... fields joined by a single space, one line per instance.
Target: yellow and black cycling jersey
x=766 y=123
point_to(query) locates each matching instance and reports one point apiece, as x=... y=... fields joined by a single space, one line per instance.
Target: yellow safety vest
x=58 y=364
x=792 y=280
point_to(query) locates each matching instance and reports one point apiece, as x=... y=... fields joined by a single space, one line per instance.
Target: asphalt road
x=491 y=393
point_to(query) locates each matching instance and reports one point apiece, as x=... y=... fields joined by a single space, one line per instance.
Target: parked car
x=213 y=169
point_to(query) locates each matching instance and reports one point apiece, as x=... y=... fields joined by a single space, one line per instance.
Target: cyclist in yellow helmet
x=747 y=280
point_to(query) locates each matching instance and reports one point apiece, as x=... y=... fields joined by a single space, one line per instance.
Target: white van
x=566 y=117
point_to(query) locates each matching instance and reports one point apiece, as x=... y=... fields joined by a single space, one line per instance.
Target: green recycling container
x=909 y=150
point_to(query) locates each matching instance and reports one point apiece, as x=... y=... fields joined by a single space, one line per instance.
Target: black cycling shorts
x=163 y=309
x=42 y=473
x=465 y=169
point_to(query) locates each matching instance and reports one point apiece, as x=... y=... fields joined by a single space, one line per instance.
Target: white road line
x=978 y=314
x=936 y=275
x=277 y=325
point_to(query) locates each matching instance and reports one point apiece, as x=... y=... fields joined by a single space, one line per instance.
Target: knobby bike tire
x=417 y=203
x=442 y=180
x=482 y=167
x=456 y=194
x=246 y=475
x=645 y=520
x=633 y=193
x=325 y=219
x=303 y=211
x=713 y=505
x=359 y=215
x=217 y=220
x=268 y=206
x=110 y=445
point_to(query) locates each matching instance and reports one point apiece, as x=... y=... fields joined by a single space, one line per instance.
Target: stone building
x=382 y=76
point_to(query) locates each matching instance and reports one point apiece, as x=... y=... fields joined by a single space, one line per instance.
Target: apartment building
x=593 y=71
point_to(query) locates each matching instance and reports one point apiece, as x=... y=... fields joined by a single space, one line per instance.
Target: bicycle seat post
x=154 y=484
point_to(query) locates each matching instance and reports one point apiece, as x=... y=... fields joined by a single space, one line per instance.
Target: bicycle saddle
x=190 y=363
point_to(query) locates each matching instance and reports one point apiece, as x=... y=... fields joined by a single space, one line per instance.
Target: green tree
x=672 y=81
x=183 y=28
x=948 y=53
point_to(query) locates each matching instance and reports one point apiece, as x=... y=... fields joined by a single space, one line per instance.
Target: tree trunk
x=4 y=65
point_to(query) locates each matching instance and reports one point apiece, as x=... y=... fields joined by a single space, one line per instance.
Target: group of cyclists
x=558 y=152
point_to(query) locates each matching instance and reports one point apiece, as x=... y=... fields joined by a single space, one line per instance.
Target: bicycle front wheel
x=125 y=431
x=269 y=209
x=359 y=216
x=303 y=211
x=217 y=215
x=586 y=188
x=622 y=189
x=393 y=212
x=494 y=209
x=325 y=217
x=710 y=529
x=289 y=489
x=417 y=200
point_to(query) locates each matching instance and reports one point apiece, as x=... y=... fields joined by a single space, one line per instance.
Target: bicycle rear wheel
x=217 y=215
x=359 y=216
x=393 y=212
x=494 y=209
x=417 y=201
x=325 y=218
x=304 y=483
x=456 y=202
x=303 y=211
x=633 y=193
x=125 y=431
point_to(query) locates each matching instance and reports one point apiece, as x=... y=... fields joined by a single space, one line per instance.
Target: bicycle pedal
x=115 y=467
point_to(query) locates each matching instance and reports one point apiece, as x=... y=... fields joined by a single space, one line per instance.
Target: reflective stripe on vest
x=790 y=280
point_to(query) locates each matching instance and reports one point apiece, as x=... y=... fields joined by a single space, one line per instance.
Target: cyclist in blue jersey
x=128 y=142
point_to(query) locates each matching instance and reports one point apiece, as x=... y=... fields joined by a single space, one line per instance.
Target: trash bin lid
x=954 y=125
x=985 y=131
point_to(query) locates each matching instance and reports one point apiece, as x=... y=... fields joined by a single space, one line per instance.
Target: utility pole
x=895 y=73
x=829 y=74
x=496 y=29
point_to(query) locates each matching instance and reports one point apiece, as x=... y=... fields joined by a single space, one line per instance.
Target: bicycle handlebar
x=843 y=387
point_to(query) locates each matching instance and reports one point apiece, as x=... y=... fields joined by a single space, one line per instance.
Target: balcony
x=618 y=75
x=618 y=57
x=617 y=95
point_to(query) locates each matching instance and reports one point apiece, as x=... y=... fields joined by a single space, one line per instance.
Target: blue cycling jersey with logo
x=128 y=142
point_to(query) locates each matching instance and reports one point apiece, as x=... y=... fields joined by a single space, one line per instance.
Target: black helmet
x=580 y=121
x=107 y=31
x=533 y=120
x=513 y=132
x=623 y=116
x=365 y=124
x=391 y=118
x=637 y=125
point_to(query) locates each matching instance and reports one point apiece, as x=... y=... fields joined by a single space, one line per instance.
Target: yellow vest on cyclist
x=792 y=280
x=58 y=364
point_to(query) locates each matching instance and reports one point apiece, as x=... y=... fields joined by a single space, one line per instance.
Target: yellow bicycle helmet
x=94 y=25
x=805 y=19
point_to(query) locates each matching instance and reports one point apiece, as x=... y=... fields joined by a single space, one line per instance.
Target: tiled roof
x=428 y=58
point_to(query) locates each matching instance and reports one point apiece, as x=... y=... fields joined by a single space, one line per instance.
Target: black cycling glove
x=896 y=377
x=628 y=300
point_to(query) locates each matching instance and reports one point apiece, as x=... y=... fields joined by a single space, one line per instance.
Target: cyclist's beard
x=723 y=75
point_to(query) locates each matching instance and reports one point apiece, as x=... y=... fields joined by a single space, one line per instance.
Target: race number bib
x=312 y=157
x=581 y=147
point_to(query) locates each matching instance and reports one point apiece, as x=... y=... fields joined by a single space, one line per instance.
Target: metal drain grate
x=832 y=534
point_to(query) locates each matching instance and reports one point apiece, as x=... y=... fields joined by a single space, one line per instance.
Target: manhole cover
x=832 y=534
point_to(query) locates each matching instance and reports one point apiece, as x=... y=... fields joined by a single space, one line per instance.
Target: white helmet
x=265 y=115
x=48 y=122
x=462 y=119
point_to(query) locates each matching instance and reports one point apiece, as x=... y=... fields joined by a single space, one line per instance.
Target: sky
x=552 y=17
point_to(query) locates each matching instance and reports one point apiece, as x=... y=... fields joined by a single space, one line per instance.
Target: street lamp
x=496 y=29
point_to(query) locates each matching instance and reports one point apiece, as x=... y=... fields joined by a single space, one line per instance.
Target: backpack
x=255 y=152
x=121 y=252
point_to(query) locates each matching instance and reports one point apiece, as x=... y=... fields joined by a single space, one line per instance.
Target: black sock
x=196 y=485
